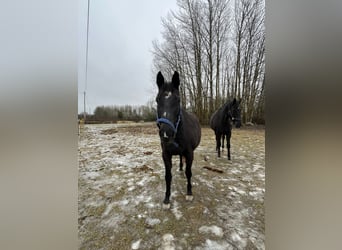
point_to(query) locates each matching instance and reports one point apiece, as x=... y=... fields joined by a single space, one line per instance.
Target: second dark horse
x=221 y=123
x=179 y=131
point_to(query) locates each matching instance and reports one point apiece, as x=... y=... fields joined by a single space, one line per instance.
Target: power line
x=86 y=69
x=84 y=111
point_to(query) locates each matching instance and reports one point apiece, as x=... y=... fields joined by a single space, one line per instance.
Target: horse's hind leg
x=218 y=144
x=222 y=142
x=228 y=144
x=189 y=158
x=167 y=158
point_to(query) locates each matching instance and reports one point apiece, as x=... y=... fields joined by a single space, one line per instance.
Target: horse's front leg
x=167 y=158
x=189 y=158
x=222 y=142
x=218 y=144
x=180 y=163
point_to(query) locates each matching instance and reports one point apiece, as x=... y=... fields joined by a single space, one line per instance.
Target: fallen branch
x=213 y=169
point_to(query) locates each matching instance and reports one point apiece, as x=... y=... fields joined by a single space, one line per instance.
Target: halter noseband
x=168 y=122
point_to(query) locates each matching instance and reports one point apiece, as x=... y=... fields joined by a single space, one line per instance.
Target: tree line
x=218 y=48
x=116 y=113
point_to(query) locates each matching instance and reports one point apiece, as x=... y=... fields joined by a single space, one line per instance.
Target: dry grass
x=121 y=188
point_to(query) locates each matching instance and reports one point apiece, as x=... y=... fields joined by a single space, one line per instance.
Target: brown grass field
x=121 y=188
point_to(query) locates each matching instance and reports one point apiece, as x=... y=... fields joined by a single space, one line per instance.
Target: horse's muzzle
x=237 y=123
x=165 y=133
x=170 y=145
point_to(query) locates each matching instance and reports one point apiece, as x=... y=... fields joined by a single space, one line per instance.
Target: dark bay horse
x=221 y=123
x=179 y=131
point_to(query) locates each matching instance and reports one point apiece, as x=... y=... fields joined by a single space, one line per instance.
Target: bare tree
x=249 y=42
x=218 y=47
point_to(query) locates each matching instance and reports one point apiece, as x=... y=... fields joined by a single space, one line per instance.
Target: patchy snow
x=178 y=214
x=136 y=244
x=108 y=209
x=112 y=221
x=152 y=221
x=256 y=167
x=91 y=175
x=122 y=186
x=217 y=231
x=211 y=244
x=239 y=191
x=167 y=242
x=143 y=181
x=235 y=237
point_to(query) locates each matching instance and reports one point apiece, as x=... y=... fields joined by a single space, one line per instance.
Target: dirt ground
x=121 y=189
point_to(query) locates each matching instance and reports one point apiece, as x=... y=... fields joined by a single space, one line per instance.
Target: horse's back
x=217 y=124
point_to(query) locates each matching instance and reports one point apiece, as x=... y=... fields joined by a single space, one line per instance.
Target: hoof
x=166 y=206
x=189 y=197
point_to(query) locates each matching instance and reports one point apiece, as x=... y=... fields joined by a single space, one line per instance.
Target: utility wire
x=86 y=69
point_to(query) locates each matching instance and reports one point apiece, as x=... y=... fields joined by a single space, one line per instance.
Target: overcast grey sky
x=119 y=50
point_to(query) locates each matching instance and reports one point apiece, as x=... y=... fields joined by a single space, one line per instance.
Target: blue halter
x=168 y=122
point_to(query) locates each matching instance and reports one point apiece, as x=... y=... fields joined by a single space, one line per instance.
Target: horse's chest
x=173 y=148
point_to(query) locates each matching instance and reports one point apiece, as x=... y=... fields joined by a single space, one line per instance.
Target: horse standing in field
x=179 y=131
x=221 y=123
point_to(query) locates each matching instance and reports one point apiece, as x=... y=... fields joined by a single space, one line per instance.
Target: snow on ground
x=213 y=229
x=121 y=188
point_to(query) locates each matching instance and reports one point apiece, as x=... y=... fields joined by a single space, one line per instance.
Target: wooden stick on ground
x=213 y=169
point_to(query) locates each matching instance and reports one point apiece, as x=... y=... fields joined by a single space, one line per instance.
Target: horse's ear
x=160 y=79
x=175 y=80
